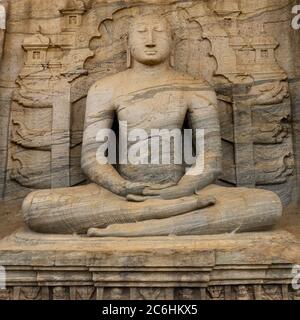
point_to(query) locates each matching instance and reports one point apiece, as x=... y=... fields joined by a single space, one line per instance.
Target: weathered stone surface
x=238 y=60
x=66 y=52
x=142 y=195
x=229 y=266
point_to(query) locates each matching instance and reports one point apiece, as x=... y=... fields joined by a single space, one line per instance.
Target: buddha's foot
x=128 y=229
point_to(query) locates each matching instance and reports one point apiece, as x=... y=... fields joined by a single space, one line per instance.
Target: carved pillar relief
x=261 y=110
x=42 y=108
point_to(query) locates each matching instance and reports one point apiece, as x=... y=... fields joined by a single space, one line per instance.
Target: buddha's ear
x=172 y=57
x=128 y=53
x=128 y=58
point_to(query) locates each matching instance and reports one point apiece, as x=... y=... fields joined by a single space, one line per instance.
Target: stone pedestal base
x=231 y=266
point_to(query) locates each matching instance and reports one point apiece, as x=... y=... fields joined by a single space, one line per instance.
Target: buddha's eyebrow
x=145 y=24
x=141 y=24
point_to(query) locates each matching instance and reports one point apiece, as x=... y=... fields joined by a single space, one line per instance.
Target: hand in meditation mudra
x=134 y=200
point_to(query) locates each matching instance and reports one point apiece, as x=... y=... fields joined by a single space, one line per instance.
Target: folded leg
x=75 y=210
x=236 y=210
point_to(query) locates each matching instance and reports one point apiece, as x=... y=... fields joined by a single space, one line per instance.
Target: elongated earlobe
x=128 y=58
x=172 y=58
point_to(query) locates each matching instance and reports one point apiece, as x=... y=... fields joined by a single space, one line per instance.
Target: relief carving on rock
x=31 y=138
x=162 y=198
x=243 y=292
x=151 y=293
x=83 y=293
x=60 y=293
x=116 y=293
x=28 y=293
x=6 y=294
x=271 y=292
x=265 y=108
x=294 y=294
x=216 y=293
x=209 y=42
x=28 y=175
x=52 y=63
x=187 y=294
x=213 y=292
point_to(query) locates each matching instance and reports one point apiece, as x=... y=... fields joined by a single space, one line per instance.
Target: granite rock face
x=236 y=61
x=223 y=267
x=152 y=187
x=63 y=48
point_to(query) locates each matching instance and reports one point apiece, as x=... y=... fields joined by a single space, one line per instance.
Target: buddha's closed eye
x=159 y=29
x=145 y=29
x=142 y=29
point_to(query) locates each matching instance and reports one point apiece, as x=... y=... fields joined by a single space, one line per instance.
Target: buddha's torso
x=159 y=105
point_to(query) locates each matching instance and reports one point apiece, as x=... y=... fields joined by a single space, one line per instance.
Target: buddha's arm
x=203 y=115
x=99 y=116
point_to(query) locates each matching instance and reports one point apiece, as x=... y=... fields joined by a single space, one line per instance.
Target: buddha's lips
x=150 y=53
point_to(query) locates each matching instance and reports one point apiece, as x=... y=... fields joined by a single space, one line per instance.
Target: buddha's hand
x=186 y=187
x=174 y=192
x=153 y=192
x=135 y=188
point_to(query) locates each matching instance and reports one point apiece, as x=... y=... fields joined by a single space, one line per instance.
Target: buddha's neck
x=151 y=70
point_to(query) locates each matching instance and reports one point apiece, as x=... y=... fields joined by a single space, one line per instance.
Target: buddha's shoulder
x=121 y=79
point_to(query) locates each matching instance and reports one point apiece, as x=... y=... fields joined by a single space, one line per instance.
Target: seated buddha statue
x=151 y=199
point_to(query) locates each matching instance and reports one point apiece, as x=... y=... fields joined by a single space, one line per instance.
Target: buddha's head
x=150 y=39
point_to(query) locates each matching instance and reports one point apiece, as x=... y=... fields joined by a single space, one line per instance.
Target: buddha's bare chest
x=152 y=110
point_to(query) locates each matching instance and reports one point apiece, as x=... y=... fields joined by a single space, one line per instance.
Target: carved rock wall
x=54 y=52
x=229 y=292
x=224 y=267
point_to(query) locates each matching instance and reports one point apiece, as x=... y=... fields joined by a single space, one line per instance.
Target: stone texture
x=138 y=196
x=230 y=266
x=243 y=57
x=211 y=41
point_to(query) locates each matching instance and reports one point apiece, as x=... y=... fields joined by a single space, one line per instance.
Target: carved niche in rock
x=92 y=44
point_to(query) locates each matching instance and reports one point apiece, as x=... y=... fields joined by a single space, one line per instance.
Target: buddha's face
x=150 y=40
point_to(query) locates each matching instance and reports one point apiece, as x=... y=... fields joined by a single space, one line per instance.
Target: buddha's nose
x=150 y=43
